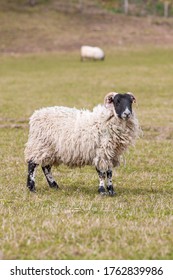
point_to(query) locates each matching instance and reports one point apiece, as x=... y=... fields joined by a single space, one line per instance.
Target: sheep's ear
x=108 y=100
x=132 y=97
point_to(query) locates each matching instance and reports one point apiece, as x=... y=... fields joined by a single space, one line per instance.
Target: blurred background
x=64 y=25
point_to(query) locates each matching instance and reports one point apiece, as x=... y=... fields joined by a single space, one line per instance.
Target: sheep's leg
x=110 y=185
x=31 y=176
x=102 y=176
x=47 y=172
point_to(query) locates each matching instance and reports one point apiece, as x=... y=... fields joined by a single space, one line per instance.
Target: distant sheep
x=81 y=137
x=95 y=53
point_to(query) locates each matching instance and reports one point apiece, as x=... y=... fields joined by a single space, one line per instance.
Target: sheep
x=62 y=135
x=95 y=53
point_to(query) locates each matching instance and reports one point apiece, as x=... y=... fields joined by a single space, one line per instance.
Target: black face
x=123 y=105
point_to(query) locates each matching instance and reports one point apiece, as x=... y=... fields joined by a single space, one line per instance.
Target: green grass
x=75 y=222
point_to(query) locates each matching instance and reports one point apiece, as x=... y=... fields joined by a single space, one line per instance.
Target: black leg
x=102 y=176
x=110 y=185
x=31 y=176
x=47 y=172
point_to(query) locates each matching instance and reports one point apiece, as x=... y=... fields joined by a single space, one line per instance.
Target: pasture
x=75 y=222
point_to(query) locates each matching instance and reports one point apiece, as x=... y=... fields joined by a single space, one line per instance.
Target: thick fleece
x=79 y=137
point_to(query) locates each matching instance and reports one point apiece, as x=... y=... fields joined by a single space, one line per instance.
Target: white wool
x=92 y=52
x=79 y=137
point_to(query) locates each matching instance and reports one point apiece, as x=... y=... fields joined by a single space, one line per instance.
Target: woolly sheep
x=81 y=137
x=94 y=53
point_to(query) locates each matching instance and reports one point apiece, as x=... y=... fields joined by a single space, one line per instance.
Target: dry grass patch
x=75 y=222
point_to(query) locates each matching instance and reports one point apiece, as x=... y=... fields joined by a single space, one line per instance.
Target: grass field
x=75 y=222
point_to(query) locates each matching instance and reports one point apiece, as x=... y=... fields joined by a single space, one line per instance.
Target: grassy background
x=40 y=66
x=75 y=222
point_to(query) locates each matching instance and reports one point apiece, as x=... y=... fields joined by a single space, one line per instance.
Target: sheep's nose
x=127 y=114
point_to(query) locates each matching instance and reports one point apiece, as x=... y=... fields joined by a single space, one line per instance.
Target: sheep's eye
x=118 y=102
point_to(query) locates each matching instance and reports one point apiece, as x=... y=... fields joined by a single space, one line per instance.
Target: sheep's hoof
x=31 y=185
x=111 y=191
x=54 y=185
x=102 y=191
x=32 y=189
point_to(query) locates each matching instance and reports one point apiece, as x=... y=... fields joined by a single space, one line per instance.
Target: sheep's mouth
x=126 y=114
x=126 y=117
